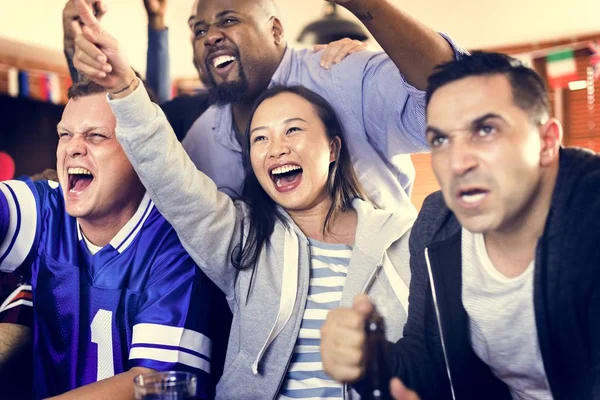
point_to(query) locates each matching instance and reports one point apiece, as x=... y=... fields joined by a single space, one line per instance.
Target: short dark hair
x=528 y=88
x=343 y=185
x=85 y=88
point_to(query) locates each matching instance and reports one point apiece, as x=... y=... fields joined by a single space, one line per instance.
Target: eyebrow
x=287 y=121
x=219 y=15
x=87 y=129
x=476 y=122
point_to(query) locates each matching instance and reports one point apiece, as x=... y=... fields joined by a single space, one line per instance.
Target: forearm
x=413 y=47
x=157 y=63
x=206 y=220
x=69 y=52
x=14 y=339
x=118 y=387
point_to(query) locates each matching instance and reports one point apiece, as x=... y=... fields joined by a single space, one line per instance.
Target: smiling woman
x=304 y=239
x=296 y=157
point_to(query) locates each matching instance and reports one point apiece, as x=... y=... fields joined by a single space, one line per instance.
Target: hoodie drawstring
x=289 y=291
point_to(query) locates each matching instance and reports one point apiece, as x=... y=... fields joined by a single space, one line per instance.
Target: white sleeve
x=20 y=223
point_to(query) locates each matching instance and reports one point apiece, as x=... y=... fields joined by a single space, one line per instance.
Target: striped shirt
x=305 y=378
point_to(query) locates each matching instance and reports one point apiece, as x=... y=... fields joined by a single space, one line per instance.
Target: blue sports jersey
x=139 y=301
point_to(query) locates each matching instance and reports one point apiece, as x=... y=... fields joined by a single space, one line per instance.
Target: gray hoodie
x=267 y=316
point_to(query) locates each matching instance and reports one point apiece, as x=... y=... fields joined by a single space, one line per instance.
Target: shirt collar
x=284 y=70
x=129 y=231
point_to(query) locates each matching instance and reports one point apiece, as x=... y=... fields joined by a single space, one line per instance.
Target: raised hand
x=335 y=52
x=156 y=10
x=97 y=53
x=70 y=14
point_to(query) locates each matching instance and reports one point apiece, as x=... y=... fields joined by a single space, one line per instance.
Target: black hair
x=85 y=88
x=342 y=185
x=528 y=88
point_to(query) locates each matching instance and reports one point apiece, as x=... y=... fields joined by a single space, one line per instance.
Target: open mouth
x=222 y=62
x=286 y=177
x=79 y=179
x=472 y=196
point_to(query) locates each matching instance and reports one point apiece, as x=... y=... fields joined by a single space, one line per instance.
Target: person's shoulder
x=44 y=193
x=433 y=216
x=309 y=58
x=579 y=176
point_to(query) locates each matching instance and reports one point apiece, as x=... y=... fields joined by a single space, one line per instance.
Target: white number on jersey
x=102 y=336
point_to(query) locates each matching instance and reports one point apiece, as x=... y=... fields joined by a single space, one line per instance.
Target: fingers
x=363 y=306
x=400 y=392
x=100 y=8
x=342 y=341
x=86 y=59
x=75 y=28
x=86 y=14
x=336 y=51
x=319 y=47
x=85 y=44
x=89 y=59
x=102 y=40
x=345 y=50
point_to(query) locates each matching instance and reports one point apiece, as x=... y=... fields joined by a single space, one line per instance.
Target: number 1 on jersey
x=102 y=335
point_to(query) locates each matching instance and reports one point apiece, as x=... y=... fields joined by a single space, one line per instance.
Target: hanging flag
x=561 y=69
x=595 y=58
x=54 y=87
x=44 y=87
x=23 y=84
x=13 y=81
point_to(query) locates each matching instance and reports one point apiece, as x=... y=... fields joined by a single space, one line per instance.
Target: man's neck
x=100 y=231
x=512 y=248
x=241 y=111
x=241 y=115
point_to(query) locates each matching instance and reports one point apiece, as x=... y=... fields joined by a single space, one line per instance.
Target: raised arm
x=415 y=48
x=207 y=221
x=158 y=74
x=70 y=30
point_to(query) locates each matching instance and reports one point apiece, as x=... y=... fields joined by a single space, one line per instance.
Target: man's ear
x=334 y=149
x=277 y=30
x=551 y=134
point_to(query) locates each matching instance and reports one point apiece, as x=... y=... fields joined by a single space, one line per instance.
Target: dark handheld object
x=378 y=363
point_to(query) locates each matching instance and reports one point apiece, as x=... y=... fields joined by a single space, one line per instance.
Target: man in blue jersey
x=114 y=292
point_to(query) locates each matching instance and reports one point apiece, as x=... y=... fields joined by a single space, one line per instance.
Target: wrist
x=157 y=22
x=124 y=90
x=69 y=46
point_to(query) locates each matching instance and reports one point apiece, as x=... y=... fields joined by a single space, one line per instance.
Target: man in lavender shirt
x=239 y=46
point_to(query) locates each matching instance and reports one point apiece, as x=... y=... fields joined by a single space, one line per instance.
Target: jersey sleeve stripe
x=22 y=226
x=156 y=334
x=170 y=356
x=4 y=216
x=21 y=292
x=22 y=302
x=20 y=296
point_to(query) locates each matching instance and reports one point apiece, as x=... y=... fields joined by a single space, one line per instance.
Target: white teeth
x=78 y=171
x=278 y=183
x=284 y=169
x=220 y=60
x=472 y=198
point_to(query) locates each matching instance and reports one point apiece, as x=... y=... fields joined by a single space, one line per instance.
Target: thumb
x=102 y=39
x=363 y=305
x=400 y=392
x=319 y=47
